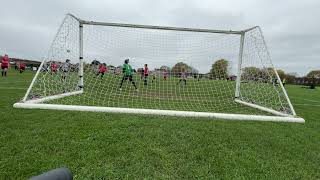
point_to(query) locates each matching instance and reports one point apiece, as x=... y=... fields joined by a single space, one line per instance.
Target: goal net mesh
x=187 y=71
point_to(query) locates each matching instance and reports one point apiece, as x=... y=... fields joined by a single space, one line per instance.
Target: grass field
x=203 y=95
x=99 y=145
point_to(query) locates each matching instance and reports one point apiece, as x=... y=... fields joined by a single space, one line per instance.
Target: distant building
x=306 y=81
x=232 y=78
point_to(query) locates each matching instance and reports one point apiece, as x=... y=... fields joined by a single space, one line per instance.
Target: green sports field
x=110 y=146
x=197 y=95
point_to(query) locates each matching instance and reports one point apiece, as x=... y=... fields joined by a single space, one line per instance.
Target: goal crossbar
x=139 y=26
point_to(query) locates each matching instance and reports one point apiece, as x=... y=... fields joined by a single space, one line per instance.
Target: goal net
x=109 y=67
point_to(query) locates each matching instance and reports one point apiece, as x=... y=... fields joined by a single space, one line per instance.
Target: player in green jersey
x=127 y=74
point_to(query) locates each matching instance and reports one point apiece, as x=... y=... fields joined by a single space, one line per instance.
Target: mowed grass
x=202 y=95
x=117 y=146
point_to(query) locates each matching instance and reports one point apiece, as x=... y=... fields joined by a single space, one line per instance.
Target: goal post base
x=277 y=113
x=236 y=117
x=49 y=98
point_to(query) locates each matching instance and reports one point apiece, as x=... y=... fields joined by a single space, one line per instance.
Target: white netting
x=180 y=74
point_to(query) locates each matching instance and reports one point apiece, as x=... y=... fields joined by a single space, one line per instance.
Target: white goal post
x=187 y=72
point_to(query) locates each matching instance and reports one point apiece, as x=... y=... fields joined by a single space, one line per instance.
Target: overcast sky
x=291 y=27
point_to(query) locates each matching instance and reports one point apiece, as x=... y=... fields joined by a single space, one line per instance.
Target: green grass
x=201 y=96
x=110 y=146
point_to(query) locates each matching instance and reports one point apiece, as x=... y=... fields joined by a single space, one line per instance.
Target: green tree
x=165 y=68
x=268 y=73
x=219 y=69
x=181 y=67
x=314 y=74
x=251 y=73
x=291 y=77
x=281 y=74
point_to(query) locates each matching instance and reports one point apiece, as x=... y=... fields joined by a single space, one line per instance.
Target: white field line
x=310 y=100
x=9 y=82
x=315 y=105
x=12 y=88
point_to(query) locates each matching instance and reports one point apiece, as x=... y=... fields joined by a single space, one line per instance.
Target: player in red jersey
x=145 y=74
x=54 y=67
x=22 y=67
x=4 y=65
x=102 y=69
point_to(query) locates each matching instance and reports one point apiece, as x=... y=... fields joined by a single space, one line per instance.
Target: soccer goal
x=157 y=70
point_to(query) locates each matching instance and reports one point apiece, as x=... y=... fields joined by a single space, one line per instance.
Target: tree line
x=220 y=70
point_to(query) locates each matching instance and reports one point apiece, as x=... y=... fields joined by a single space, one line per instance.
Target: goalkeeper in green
x=127 y=74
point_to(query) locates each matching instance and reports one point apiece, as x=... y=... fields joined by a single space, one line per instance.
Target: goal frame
x=280 y=117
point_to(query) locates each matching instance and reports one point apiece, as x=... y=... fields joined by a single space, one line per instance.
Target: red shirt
x=146 y=71
x=54 y=66
x=102 y=69
x=22 y=65
x=5 y=61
